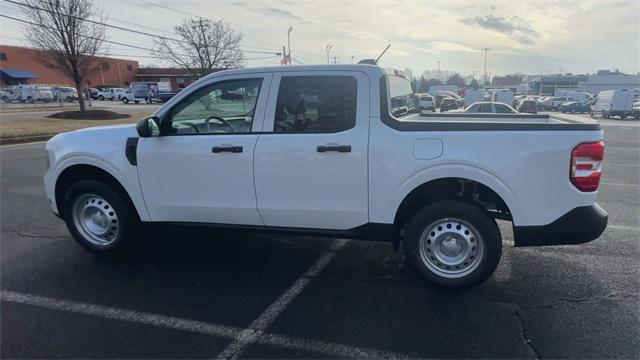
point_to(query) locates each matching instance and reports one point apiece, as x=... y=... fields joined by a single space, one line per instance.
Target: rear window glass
x=316 y=104
x=403 y=100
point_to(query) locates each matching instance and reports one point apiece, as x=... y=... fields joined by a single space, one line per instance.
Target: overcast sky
x=524 y=36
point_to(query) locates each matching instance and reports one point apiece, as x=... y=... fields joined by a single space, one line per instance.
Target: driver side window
x=219 y=108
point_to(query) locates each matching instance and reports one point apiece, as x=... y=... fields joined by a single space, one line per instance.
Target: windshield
x=403 y=100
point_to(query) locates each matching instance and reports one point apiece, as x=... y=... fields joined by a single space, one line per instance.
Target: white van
x=473 y=96
x=613 y=103
x=503 y=96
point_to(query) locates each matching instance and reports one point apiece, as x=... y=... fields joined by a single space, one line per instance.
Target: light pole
x=485 y=65
x=328 y=49
x=289 y=42
x=439 y=71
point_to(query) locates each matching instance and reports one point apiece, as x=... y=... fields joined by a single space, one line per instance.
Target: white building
x=597 y=83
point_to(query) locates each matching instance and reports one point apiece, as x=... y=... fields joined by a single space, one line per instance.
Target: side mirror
x=148 y=127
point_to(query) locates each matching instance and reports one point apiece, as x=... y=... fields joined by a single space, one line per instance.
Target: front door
x=311 y=160
x=201 y=168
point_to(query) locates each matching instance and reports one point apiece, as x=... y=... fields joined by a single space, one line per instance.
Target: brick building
x=19 y=65
x=179 y=78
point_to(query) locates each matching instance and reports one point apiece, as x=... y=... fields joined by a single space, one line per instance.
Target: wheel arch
x=77 y=172
x=453 y=188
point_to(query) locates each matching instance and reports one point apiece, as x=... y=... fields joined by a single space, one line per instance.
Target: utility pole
x=284 y=56
x=289 y=42
x=485 y=65
x=439 y=71
x=328 y=49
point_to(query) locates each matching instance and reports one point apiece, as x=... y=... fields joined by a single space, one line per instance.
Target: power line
x=96 y=22
x=201 y=17
x=119 y=27
x=90 y=37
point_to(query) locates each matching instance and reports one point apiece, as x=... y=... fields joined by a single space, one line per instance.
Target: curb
x=26 y=139
x=46 y=109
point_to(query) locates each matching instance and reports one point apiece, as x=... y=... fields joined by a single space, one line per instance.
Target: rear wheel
x=100 y=97
x=453 y=244
x=125 y=100
x=99 y=217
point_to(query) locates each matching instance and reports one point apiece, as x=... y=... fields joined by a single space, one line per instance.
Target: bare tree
x=68 y=44
x=204 y=46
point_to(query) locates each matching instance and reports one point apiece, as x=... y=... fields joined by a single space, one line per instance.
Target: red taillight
x=586 y=165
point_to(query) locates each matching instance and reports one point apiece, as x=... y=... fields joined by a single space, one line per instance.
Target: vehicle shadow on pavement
x=539 y=302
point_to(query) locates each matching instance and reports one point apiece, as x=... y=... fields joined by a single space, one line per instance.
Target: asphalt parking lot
x=194 y=293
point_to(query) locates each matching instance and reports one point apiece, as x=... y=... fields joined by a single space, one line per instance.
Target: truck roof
x=369 y=69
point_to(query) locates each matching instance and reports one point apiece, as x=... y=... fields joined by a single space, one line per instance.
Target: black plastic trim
x=578 y=226
x=130 y=150
x=428 y=125
x=369 y=231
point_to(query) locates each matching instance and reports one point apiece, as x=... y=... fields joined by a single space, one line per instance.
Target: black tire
x=125 y=100
x=126 y=217
x=489 y=244
x=100 y=97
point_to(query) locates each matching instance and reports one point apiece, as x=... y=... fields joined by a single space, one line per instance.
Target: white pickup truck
x=320 y=150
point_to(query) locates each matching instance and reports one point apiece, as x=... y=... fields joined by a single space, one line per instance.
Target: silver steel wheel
x=95 y=219
x=451 y=248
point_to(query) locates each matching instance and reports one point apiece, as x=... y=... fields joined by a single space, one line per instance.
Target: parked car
x=575 y=95
x=449 y=104
x=555 y=103
x=490 y=107
x=527 y=106
x=450 y=94
x=425 y=101
x=613 y=103
x=32 y=93
x=64 y=93
x=93 y=93
x=341 y=165
x=8 y=95
x=165 y=96
x=137 y=92
x=635 y=111
x=111 y=94
x=575 y=107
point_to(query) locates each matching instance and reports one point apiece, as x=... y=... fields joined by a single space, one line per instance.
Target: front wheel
x=99 y=217
x=453 y=244
x=101 y=98
x=125 y=100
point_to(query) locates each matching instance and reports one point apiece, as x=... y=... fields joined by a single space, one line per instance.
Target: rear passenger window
x=316 y=104
x=485 y=108
x=501 y=109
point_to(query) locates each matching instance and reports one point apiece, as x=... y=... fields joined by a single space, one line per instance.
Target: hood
x=127 y=128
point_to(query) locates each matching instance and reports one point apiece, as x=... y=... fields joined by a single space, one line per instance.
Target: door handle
x=338 y=148
x=231 y=149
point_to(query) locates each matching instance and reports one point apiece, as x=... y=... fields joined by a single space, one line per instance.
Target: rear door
x=311 y=160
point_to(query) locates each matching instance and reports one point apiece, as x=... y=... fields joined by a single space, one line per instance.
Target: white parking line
x=623 y=227
x=619 y=164
x=620 y=184
x=193 y=326
x=257 y=328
